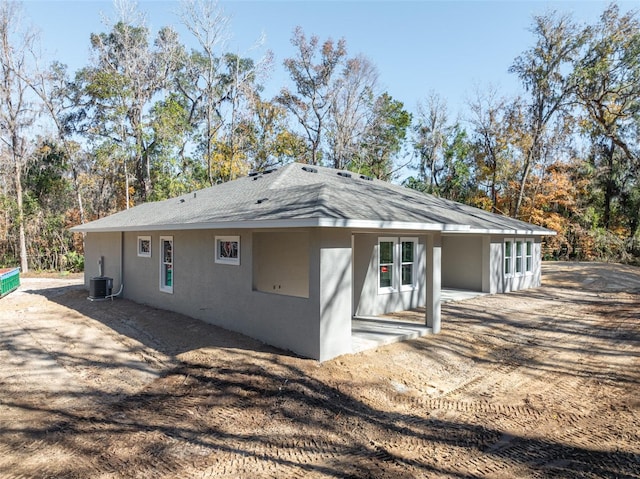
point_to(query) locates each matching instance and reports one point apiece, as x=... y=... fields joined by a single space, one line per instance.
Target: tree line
x=149 y=118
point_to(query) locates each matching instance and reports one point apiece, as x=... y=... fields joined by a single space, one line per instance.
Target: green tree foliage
x=269 y=142
x=50 y=209
x=607 y=85
x=149 y=119
x=543 y=72
x=382 y=139
x=128 y=74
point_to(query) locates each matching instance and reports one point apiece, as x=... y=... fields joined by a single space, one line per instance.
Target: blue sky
x=418 y=46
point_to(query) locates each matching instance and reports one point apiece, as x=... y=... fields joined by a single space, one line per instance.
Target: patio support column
x=434 y=283
x=336 y=292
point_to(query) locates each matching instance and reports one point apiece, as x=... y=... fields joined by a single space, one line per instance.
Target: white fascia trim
x=509 y=232
x=319 y=222
x=284 y=223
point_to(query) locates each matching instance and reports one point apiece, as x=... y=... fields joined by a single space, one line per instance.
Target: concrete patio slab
x=368 y=332
x=371 y=332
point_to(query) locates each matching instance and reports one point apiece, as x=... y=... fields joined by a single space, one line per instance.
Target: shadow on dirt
x=298 y=426
x=166 y=332
x=219 y=411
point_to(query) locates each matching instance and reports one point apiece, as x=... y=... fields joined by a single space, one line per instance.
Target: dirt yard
x=543 y=383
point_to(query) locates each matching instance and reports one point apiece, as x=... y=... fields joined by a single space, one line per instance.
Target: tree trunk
x=609 y=188
x=522 y=186
x=494 y=192
x=24 y=264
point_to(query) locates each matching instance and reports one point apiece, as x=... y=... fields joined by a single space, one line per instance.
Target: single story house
x=289 y=256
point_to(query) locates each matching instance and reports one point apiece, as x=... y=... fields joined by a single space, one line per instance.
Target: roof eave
x=278 y=223
x=318 y=223
x=510 y=231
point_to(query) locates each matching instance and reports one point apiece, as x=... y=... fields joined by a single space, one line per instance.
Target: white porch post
x=434 y=284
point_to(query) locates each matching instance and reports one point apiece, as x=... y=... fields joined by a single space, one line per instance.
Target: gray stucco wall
x=341 y=280
x=221 y=294
x=367 y=300
x=462 y=262
x=107 y=246
x=335 y=276
x=281 y=263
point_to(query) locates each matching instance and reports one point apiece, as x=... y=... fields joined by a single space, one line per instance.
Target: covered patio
x=369 y=332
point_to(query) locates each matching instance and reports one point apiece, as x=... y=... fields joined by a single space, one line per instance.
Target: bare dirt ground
x=542 y=383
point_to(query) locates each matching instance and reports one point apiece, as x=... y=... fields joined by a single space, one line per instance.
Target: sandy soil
x=542 y=383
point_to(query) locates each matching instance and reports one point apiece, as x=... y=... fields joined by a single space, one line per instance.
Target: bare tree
x=431 y=131
x=491 y=140
x=312 y=71
x=219 y=87
x=201 y=81
x=17 y=111
x=351 y=110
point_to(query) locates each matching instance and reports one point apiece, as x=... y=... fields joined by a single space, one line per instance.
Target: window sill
x=387 y=290
x=408 y=288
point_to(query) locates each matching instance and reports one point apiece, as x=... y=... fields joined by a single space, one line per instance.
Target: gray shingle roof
x=294 y=197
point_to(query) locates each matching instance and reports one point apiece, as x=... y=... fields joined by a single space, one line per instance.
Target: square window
x=228 y=250
x=144 y=246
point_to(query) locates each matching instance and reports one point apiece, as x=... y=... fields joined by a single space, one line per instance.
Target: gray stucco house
x=290 y=256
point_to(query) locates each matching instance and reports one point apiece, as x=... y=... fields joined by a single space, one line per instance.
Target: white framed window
x=396 y=264
x=227 y=250
x=508 y=257
x=166 y=264
x=386 y=264
x=408 y=249
x=144 y=246
x=528 y=258
x=519 y=258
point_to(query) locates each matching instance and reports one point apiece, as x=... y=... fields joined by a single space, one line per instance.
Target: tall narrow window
x=508 y=255
x=529 y=257
x=385 y=264
x=407 y=262
x=166 y=264
x=518 y=257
